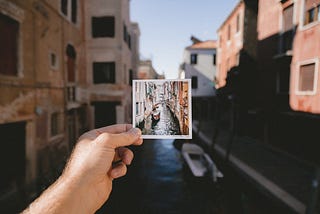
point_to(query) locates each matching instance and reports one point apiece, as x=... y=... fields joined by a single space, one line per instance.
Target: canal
x=167 y=125
x=158 y=181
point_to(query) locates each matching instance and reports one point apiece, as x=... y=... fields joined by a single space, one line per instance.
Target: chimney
x=195 y=40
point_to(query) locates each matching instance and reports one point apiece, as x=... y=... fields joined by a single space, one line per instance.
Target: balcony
x=75 y=96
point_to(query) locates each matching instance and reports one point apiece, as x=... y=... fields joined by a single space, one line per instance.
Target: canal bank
x=158 y=181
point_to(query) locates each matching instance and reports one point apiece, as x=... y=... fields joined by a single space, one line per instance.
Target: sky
x=166 y=27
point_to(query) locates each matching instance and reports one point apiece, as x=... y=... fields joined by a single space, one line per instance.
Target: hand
x=93 y=158
x=86 y=182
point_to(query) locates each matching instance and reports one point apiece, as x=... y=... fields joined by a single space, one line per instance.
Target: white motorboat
x=199 y=162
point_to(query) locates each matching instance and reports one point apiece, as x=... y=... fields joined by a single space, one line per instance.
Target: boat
x=156 y=115
x=200 y=162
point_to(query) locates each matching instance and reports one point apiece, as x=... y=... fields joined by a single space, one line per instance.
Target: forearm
x=64 y=196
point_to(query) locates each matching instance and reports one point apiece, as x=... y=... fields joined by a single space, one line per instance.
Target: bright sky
x=167 y=25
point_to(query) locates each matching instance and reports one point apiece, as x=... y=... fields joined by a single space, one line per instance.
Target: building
x=304 y=83
x=237 y=40
x=109 y=33
x=135 y=47
x=147 y=71
x=199 y=65
x=288 y=57
x=42 y=66
x=63 y=65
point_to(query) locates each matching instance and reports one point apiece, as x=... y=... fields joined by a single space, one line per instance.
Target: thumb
x=118 y=140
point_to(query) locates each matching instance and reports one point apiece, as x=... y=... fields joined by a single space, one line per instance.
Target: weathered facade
x=110 y=64
x=50 y=91
x=42 y=66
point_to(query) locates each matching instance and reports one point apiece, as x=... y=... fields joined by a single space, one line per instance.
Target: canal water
x=158 y=181
x=167 y=125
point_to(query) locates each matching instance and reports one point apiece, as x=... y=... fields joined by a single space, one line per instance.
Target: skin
x=86 y=182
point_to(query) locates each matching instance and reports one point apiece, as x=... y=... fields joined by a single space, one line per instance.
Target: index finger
x=131 y=137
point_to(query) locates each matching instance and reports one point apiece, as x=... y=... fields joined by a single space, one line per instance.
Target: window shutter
x=306 y=77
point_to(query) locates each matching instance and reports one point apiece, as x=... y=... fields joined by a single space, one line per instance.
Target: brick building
x=51 y=89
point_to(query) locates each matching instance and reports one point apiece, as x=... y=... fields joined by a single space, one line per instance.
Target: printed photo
x=162 y=108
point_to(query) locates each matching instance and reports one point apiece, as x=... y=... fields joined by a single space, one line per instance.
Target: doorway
x=12 y=156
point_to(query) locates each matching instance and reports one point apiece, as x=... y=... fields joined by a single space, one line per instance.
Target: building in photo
x=162 y=108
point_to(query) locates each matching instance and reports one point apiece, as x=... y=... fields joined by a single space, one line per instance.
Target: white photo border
x=189 y=135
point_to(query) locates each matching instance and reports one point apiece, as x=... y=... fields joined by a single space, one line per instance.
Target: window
x=64 y=7
x=238 y=22
x=70 y=11
x=55 y=124
x=286 y=38
x=194 y=82
x=125 y=33
x=74 y=11
x=312 y=13
x=103 y=26
x=137 y=108
x=193 y=58
x=130 y=76
x=53 y=60
x=9 y=29
x=129 y=41
x=229 y=32
x=71 y=63
x=306 y=78
x=214 y=59
x=104 y=72
x=287 y=18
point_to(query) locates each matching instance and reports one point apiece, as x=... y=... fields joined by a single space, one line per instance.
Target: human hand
x=91 y=166
x=86 y=183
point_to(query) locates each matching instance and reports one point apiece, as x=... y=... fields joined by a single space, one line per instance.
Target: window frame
x=17 y=15
x=305 y=22
x=315 y=81
x=71 y=15
x=193 y=61
x=54 y=67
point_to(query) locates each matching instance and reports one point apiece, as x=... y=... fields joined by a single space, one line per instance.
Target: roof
x=209 y=44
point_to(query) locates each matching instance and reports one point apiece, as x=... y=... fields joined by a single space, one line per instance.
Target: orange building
x=236 y=37
x=305 y=89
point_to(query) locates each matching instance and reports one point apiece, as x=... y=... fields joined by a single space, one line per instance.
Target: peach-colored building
x=237 y=35
x=288 y=54
x=277 y=21
x=304 y=82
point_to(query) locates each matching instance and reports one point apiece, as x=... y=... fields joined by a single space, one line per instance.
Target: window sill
x=308 y=26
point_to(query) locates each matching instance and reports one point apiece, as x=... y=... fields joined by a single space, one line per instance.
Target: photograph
x=162 y=108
